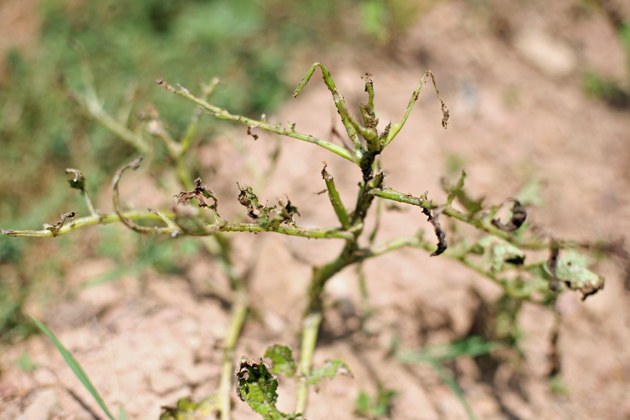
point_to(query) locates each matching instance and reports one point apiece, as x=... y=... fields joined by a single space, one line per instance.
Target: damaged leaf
x=249 y=199
x=185 y=408
x=201 y=193
x=288 y=212
x=439 y=232
x=498 y=253
x=258 y=388
x=251 y=133
x=76 y=179
x=572 y=269
x=445 y=111
x=267 y=216
x=282 y=362
x=519 y=214
x=56 y=227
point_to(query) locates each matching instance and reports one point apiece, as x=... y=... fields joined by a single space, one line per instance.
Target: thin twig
x=289 y=131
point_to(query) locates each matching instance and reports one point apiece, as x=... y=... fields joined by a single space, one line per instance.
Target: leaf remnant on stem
x=519 y=214
x=439 y=232
x=56 y=227
x=201 y=193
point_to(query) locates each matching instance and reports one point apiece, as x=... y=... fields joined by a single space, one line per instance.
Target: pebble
x=548 y=54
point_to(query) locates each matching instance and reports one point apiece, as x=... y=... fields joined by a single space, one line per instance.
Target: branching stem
x=395 y=128
x=223 y=114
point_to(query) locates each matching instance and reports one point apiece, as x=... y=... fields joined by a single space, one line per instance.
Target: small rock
x=549 y=55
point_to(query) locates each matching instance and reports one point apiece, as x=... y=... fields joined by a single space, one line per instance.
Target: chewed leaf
x=498 y=252
x=258 y=388
x=572 y=270
x=439 y=232
x=330 y=370
x=282 y=362
x=201 y=193
x=185 y=408
x=269 y=217
x=519 y=214
x=249 y=199
x=56 y=227
x=75 y=179
x=287 y=212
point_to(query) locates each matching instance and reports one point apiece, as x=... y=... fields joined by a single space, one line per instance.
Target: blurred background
x=539 y=91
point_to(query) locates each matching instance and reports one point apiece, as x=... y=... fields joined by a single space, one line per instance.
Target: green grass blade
x=436 y=355
x=452 y=384
x=75 y=366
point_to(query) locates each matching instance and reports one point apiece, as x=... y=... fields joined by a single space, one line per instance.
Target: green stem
x=349 y=255
x=187 y=141
x=223 y=114
x=92 y=107
x=313 y=317
x=310 y=331
x=364 y=294
x=98 y=219
x=238 y=314
x=183 y=173
x=103 y=219
x=480 y=224
x=88 y=202
x=350 y=125
x=335 y=199
x=391 y=194
x=288 y=230
x=395 y=128
x=497 y=280
x=396 y=244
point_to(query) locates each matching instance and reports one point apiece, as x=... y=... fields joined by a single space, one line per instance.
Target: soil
x=512 y=77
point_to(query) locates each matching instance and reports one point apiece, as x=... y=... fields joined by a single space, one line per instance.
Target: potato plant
x=526 y=265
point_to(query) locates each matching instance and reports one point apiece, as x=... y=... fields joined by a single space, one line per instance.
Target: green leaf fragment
x=268 y=217
x=572 y=270
x=329 y=370
x=187 y=409
x=282 y=362
x=75 y=179
x=258 y=388
x=498 y=253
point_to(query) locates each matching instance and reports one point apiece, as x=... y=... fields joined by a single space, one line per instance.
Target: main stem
x=313 y=316
x=314 y=313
